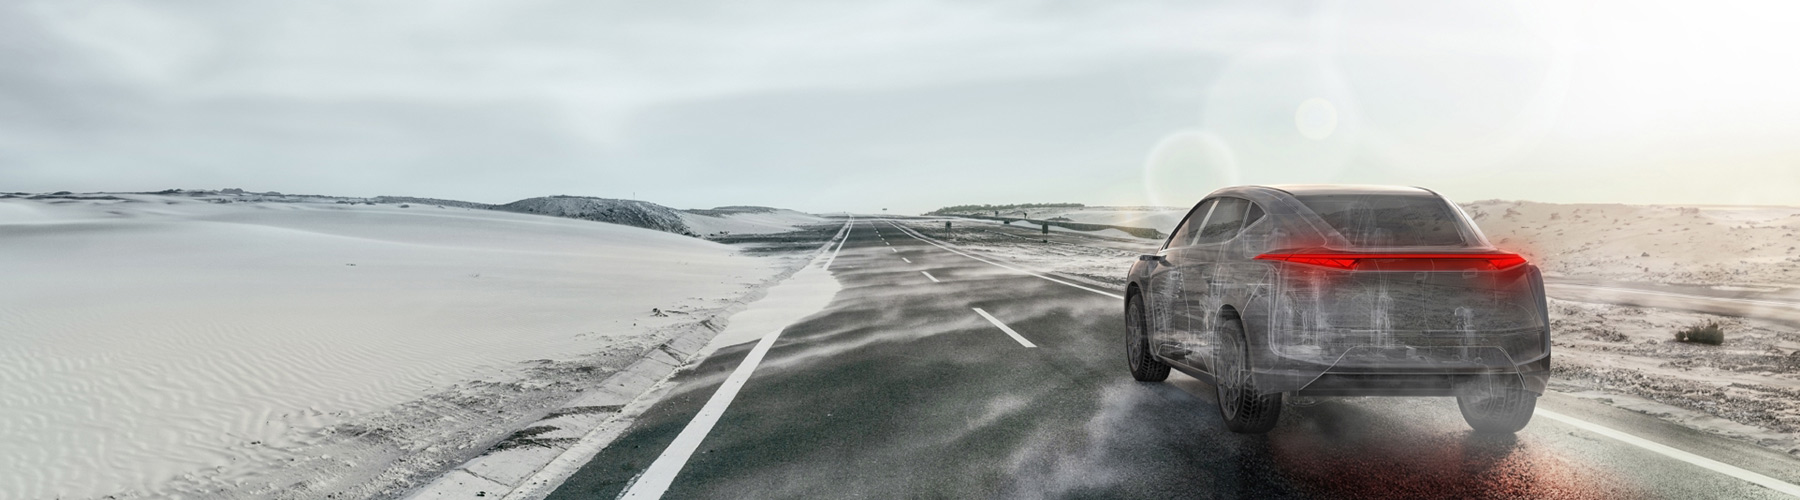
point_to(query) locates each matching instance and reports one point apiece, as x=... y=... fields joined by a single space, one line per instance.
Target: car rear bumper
x=1358 y=376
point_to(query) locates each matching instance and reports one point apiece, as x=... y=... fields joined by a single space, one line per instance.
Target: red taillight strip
x=1326 y=260
x=1350 y=260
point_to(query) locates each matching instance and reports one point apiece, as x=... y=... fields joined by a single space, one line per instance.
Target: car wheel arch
x=1258 y=344
x=1227 y=311
x=1253 y=312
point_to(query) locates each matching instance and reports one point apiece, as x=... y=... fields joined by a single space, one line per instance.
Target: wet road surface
x=901 y=389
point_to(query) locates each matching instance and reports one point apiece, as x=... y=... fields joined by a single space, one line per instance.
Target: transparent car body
x=1389 y=326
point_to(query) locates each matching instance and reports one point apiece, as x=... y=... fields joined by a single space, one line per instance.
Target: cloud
x=800 y=103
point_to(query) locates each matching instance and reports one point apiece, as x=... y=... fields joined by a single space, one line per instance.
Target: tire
x=1498 y=407
x=1144 y=365
x=1243 y=409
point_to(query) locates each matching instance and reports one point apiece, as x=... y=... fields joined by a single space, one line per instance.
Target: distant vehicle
x=1322 y=290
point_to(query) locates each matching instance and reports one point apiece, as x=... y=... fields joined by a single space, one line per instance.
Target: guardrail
x=1141 y=232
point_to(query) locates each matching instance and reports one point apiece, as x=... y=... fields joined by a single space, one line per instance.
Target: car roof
x=1340 y=189
x=1283 y=200
x=1269 y=193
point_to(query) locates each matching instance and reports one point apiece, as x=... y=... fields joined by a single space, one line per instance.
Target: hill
x=626 y=212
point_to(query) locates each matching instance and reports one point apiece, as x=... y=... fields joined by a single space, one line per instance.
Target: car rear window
x=1389 y=220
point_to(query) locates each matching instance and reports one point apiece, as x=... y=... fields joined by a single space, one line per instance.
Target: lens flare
x=1316 y=118
x=1186 y=165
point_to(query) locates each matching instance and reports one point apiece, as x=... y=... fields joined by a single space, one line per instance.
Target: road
x=908 y=386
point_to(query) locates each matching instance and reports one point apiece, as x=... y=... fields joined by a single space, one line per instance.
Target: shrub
x=1702 y=333
x=1608 y=335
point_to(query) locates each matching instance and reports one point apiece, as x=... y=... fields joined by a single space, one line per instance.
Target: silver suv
x=1327 y=290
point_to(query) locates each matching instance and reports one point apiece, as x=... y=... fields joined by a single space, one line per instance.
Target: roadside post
x=946 y=224
x=1046 y=228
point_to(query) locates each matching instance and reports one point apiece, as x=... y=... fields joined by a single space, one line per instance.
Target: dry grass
x=1702 y=333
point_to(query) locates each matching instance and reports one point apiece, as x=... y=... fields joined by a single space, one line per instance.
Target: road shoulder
x=533 y=461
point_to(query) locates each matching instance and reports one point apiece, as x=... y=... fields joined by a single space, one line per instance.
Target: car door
x=1205 y=284
x=1237 y=271
x=1167 y=287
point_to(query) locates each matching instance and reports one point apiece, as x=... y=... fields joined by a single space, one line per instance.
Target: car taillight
x=1410 y=261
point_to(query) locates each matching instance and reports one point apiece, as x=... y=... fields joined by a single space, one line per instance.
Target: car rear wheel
x=1144 y=365
x=1244 y=410
x=1497 y=406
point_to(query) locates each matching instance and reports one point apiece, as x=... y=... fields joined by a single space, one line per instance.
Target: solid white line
x=928 y=275
x=559 y=469
x=908 y=261
x=1665 y=450
x=1003 y=327
x=846 y=233
x=656 y=479
x=919 y=237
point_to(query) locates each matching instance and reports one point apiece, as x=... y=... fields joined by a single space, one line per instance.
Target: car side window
x=1256 y=213
x=1251 y=242
x=1226 y=219
x=1184 y=235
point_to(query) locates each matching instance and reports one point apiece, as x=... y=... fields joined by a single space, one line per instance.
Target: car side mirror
x=1153 y=258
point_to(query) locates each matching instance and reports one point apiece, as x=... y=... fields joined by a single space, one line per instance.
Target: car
x=1273 y=292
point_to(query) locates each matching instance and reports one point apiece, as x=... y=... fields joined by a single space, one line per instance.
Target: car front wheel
x=1144 y=365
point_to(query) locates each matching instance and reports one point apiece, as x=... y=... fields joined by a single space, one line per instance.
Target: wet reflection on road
x=1348 y=449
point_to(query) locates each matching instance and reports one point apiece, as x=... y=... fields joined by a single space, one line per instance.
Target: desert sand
x=1713 y=245
x=155 y=345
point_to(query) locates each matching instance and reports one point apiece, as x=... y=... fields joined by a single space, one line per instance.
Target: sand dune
x=1161 y=219
x=1698 y=245
x=746 y=220
x=148 y=337
x=715 y=222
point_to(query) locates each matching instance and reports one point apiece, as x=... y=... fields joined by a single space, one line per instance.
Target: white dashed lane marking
x=915 y=235
x=1009 y=331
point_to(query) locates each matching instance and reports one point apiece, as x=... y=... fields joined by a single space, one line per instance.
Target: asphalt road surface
x=901 y=388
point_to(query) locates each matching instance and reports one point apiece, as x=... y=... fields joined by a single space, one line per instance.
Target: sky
x=903 y=105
